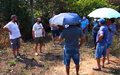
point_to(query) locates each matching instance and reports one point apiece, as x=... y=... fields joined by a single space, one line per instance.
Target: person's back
x=71 y=47
x=72 y=35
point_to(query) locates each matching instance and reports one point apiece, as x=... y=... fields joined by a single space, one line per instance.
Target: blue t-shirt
x=52 y=28
x=84 y=23
x=112 y=31
x=103 y=30
x=95 y=24
x=71 y=36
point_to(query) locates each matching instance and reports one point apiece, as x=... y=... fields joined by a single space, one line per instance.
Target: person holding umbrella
x=71 y=35
x=101 y=47
x=112 y=30
x=71 y=47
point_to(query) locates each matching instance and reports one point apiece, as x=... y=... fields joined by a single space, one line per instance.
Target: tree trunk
x=32 y=14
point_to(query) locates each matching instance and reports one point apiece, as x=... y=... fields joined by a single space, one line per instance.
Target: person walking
x=38 y=33
x=14 y=34
x=71 y=35
x=101 y=47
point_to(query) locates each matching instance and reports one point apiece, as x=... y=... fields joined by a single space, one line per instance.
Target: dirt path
x=51 y=62
x=86 y=65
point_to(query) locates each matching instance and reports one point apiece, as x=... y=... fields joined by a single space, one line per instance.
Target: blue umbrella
x=65 y=19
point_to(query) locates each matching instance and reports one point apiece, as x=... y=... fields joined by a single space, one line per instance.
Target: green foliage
x=19 y=8
x=84 y=7
x=12 y=63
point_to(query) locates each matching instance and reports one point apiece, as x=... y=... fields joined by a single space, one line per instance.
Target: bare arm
x=82 y=41
x=6 y=29
x=33 y=35
x=43 y=32
x=100 y=37
x=60 y=39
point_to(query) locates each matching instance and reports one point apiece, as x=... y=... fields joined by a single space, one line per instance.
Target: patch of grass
x=47 y=64
x=8 y=70
x=12 y=63
x=0 y=58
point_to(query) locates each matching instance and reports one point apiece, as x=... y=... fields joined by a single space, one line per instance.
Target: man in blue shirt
x=95 y=30
x=84 y=26
x=101 y=47
x=71 y=47
x=112 y=30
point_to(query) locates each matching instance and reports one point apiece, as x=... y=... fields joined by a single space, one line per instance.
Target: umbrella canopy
x=66 y=19
x=104 y=13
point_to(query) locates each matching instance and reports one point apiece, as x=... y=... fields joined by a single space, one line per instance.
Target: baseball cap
x=102 y=20
x=13 y=16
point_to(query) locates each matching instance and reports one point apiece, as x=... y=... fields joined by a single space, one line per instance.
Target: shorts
x=55 y=33
x=67 y=57
x=39 y=40
x=15 y=43
x=86 y=32
x=101 y=50
x=108 y=45
x=94 y=37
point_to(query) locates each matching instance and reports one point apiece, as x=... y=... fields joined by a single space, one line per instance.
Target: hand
x=33 y=38
x=43 y=35
x=10 y=33
x=100 y=40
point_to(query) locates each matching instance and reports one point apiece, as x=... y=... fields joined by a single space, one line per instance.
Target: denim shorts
x=67 y=56
x=15 y=43
x=108 y=45
x=94 y=36
x=101 y=50
x=55 y=33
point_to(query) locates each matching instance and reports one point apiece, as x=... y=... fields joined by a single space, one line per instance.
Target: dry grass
x=4 y=40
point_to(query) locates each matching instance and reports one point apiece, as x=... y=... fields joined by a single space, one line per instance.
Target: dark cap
x=13 y=16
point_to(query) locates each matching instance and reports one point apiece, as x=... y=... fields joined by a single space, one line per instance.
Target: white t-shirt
x=37 y=28
x=13 y=27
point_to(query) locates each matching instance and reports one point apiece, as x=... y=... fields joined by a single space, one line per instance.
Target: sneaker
x=15 y=57
x=54 y=45
x=36 y=54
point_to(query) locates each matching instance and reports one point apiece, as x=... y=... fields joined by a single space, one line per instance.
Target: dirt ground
x=50 y=62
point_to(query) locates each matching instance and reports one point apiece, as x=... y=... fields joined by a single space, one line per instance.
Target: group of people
x=102 y=36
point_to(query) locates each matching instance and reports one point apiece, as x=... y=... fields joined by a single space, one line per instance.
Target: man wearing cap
x=101 y=47
x=14 y=35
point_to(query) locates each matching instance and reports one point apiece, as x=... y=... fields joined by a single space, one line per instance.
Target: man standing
x=101 y=47
x=112 y=30
x=55 y=31
x=84 y=26
x=38 y=34
x=71 y=47
x=14 y=35
x=95 y=31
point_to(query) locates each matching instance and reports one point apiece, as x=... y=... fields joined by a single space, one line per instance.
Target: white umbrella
x=65 y=19
x=104 y=13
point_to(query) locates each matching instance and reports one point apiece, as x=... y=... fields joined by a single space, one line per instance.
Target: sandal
x=97 y=69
